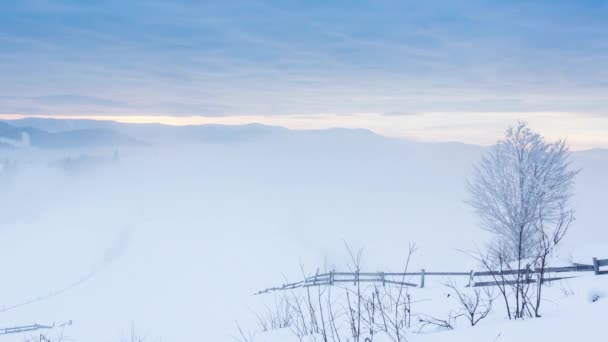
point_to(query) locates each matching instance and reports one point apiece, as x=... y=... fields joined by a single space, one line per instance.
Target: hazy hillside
x=176 y=239
x=156 y=133
x=30 y=136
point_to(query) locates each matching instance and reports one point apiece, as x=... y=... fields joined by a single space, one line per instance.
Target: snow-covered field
x=570 y=315
x=175 y=240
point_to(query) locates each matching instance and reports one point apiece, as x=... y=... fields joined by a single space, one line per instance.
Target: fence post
x=472 y=279
x=383 y=279
x=331 y=277
x=422 y=278
x=596 y=266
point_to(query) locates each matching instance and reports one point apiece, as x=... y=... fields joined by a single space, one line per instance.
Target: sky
x=429 y=70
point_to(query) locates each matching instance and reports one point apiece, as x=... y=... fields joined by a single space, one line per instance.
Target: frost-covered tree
x=521 y=190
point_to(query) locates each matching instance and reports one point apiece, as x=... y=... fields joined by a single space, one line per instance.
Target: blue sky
x=276 y=60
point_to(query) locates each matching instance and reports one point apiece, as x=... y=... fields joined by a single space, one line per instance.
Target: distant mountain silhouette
x=159 y=133
x=54 y=133
x=21 y=136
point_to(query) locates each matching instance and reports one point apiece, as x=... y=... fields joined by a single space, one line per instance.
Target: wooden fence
x=391 y=278
x=32 y=327
x=25 y=328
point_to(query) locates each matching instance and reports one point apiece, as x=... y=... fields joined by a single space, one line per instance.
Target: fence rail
x=25 y=328
x=396 y=278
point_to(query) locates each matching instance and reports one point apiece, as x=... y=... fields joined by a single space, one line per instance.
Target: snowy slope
x=177 y=239
x=569 y=316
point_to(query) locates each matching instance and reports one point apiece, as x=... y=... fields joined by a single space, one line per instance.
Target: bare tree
x=521 y=190
x=474 y=305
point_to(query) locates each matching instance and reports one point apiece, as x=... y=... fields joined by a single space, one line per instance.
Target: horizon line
x=400 y=128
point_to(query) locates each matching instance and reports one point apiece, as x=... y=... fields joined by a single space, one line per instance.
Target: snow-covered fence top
x=395 y=278
x=25 y=328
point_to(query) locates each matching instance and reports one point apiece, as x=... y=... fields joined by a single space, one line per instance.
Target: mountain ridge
x=28 y=136
x=158 y=133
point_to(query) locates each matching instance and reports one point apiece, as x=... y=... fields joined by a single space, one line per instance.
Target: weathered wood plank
x=396 y=278
x=25 y=328
x=603 y=262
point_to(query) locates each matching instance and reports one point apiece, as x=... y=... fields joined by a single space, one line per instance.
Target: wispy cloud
x=262 y=58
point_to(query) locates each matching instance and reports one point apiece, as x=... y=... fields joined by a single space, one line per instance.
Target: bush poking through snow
x=596 y=295
x=242 y=336
x=447 y=323
x=474 y=305
x=342 y=312
x=133 y=336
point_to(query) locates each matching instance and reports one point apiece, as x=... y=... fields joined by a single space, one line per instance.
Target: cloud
x=399 y=113
x=72 y=99
x=58 y=103
x=180 y=108
x=262 y=58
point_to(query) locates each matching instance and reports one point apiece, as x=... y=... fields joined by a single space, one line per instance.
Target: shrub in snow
x=595 y=295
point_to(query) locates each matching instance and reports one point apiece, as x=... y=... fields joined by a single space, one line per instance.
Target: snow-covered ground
x=570 y=314
x=176 y=240
x=572 y=317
